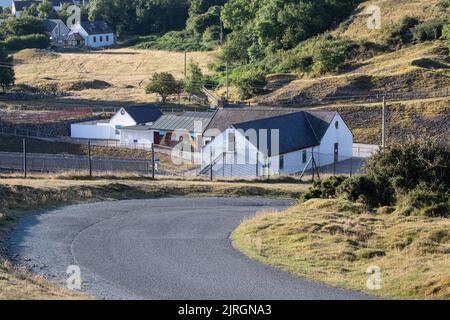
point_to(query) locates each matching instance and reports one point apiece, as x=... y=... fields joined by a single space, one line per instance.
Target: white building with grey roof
x=286 y=143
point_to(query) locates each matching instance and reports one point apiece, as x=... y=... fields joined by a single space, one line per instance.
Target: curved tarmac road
x=172 y=248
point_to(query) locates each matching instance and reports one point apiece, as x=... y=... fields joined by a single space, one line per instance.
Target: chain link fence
x=29 y=155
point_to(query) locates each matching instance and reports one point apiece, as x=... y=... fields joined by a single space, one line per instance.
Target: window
x=304 y=156
x=101 y=38
x=336 y=124
x=107 y=38
x=231 y=141
x=95 y=39
x=281 y=162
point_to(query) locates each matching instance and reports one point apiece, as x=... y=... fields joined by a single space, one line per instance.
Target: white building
x=284 y=144
x=96 y=34
x=110 y=129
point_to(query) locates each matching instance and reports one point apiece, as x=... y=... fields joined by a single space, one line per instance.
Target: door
x=155 y=137
x=336 y=152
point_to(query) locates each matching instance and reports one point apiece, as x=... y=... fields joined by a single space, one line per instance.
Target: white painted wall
x=105 y=41
x=246 y=153
x=89 y=130
x=342 y=135
x=131 y=137
x=100 y=40
x=122 y=119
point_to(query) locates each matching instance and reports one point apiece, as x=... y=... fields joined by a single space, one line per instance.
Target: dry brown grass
x=334 y=242
x=23 y=196
x=392 y=11
x=126 y=70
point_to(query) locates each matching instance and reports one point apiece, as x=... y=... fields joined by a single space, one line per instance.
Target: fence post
x=210 y=164
x=153 y=161
x=224 y=163
x=90 y=158
x=24 y=157
x=351 y=166
x=257 y=160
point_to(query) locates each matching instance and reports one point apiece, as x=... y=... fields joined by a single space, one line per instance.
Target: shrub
x=428 y=31
x=361 y=188
x=33 y=41
x=249 y=81
x=415 y=160
x=173 y=41
x=329 y=56
x=423 y=200
x=324 y=189
x=400 y=34
x=446 y=35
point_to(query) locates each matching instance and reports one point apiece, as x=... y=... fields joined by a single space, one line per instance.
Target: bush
x=173 y=41
x=363 y=189
x=446 y=35
x=319 y=55
x=414 y=160
x=400 y=34
x=428 y=31
x=33 y=41
x=249 y=81
x=324 y=189
x=423 y=200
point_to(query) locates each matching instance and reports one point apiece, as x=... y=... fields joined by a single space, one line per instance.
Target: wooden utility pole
x=185 y=64
x=383 y=124
x=227 y=83
x=24 y=158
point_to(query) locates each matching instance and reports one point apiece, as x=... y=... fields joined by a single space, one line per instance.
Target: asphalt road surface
x=172 y=248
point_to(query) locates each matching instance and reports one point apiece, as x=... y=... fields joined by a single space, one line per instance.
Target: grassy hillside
x=108 y=75
x=336 y=242
x=392 y=11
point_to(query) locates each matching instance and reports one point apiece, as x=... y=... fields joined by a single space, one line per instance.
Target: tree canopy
x=165 y=85
x=6 y=70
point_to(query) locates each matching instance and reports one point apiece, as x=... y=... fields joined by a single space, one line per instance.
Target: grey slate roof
x=137 y=128
x=185 y=121
x=96 y=27
x=225 y=118
x=144 y=113
x=297 y=131
x=50 y=24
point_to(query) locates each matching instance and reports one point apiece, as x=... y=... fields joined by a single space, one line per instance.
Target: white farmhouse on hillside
x=110 y=129
x=96 y=34
x=283 y=144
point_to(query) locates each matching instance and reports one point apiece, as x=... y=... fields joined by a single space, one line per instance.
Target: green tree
x=165 y=85
x=6 y=70
x=31 y=10
x=329 y=56
x=194 y=80
x=46 y=11
x=21 y=26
